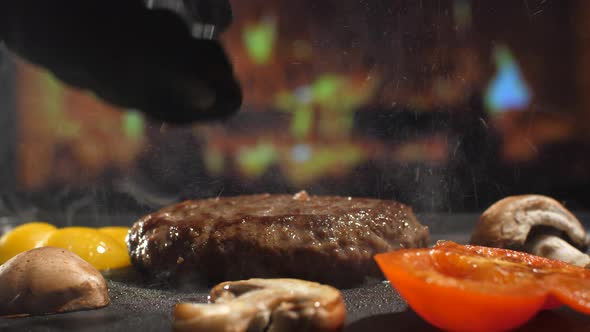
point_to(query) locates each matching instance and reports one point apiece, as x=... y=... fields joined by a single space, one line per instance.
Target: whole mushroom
x=535 y=224
x=49 y=280
x=265 y=305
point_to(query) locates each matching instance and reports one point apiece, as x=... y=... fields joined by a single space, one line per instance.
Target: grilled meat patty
x=328 y=239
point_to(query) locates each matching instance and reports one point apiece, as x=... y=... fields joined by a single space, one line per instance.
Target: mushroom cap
x=508 y=222
x=50 y=280
x=269 y=305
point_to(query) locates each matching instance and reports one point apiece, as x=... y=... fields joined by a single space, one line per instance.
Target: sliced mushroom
x=49 y=280
x=269 y=305
x=536 y=224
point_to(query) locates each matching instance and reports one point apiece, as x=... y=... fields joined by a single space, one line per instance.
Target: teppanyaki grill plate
x=143 y=306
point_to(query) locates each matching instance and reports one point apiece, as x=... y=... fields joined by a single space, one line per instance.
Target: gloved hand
x=128 y=54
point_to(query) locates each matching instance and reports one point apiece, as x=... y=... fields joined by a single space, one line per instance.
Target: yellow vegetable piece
x=97 y=248
x=24 y=237
x=118 y=233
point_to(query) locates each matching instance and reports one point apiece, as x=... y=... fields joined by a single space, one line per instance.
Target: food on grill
x=97 y=248
x=104 y=248
x=328 y=239
x=49 y=280
x=23 y=238
x=535 y=224
x=473 y=288
x=116 y=232
x=257 y=305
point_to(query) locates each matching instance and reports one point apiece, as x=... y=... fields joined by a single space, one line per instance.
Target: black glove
x=128 y=54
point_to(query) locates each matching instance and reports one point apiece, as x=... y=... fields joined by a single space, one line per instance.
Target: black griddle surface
x=143 y=306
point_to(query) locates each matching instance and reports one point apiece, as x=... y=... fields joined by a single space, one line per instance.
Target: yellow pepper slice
x=95 y=247
x=24 y=237
x=118 y=233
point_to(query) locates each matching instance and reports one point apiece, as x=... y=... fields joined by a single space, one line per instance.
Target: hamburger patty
x=328 y=239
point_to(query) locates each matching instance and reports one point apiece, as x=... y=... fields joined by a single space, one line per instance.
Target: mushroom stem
x=554 y=247
x=257 y=305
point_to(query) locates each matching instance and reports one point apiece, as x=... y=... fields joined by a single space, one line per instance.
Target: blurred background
x=445 y=105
